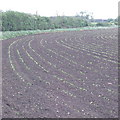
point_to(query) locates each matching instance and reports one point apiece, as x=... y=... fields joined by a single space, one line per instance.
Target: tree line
x=14 y=21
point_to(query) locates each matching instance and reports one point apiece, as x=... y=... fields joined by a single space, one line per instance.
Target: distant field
x=13 y=34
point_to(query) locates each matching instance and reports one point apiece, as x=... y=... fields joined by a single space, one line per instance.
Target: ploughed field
x=61 y=74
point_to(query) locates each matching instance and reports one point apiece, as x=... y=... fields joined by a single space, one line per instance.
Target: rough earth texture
x=61 y=74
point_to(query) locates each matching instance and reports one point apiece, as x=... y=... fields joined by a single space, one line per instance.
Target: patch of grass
x=13 y=34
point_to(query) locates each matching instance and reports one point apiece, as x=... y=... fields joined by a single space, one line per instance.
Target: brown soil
x=62 y=74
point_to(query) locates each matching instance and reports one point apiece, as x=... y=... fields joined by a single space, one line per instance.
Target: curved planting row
x=67 y=74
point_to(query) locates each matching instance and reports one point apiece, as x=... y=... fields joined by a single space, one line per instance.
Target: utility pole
x=36 y=12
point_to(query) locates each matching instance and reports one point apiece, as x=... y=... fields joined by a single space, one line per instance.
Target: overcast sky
x=100 y=8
